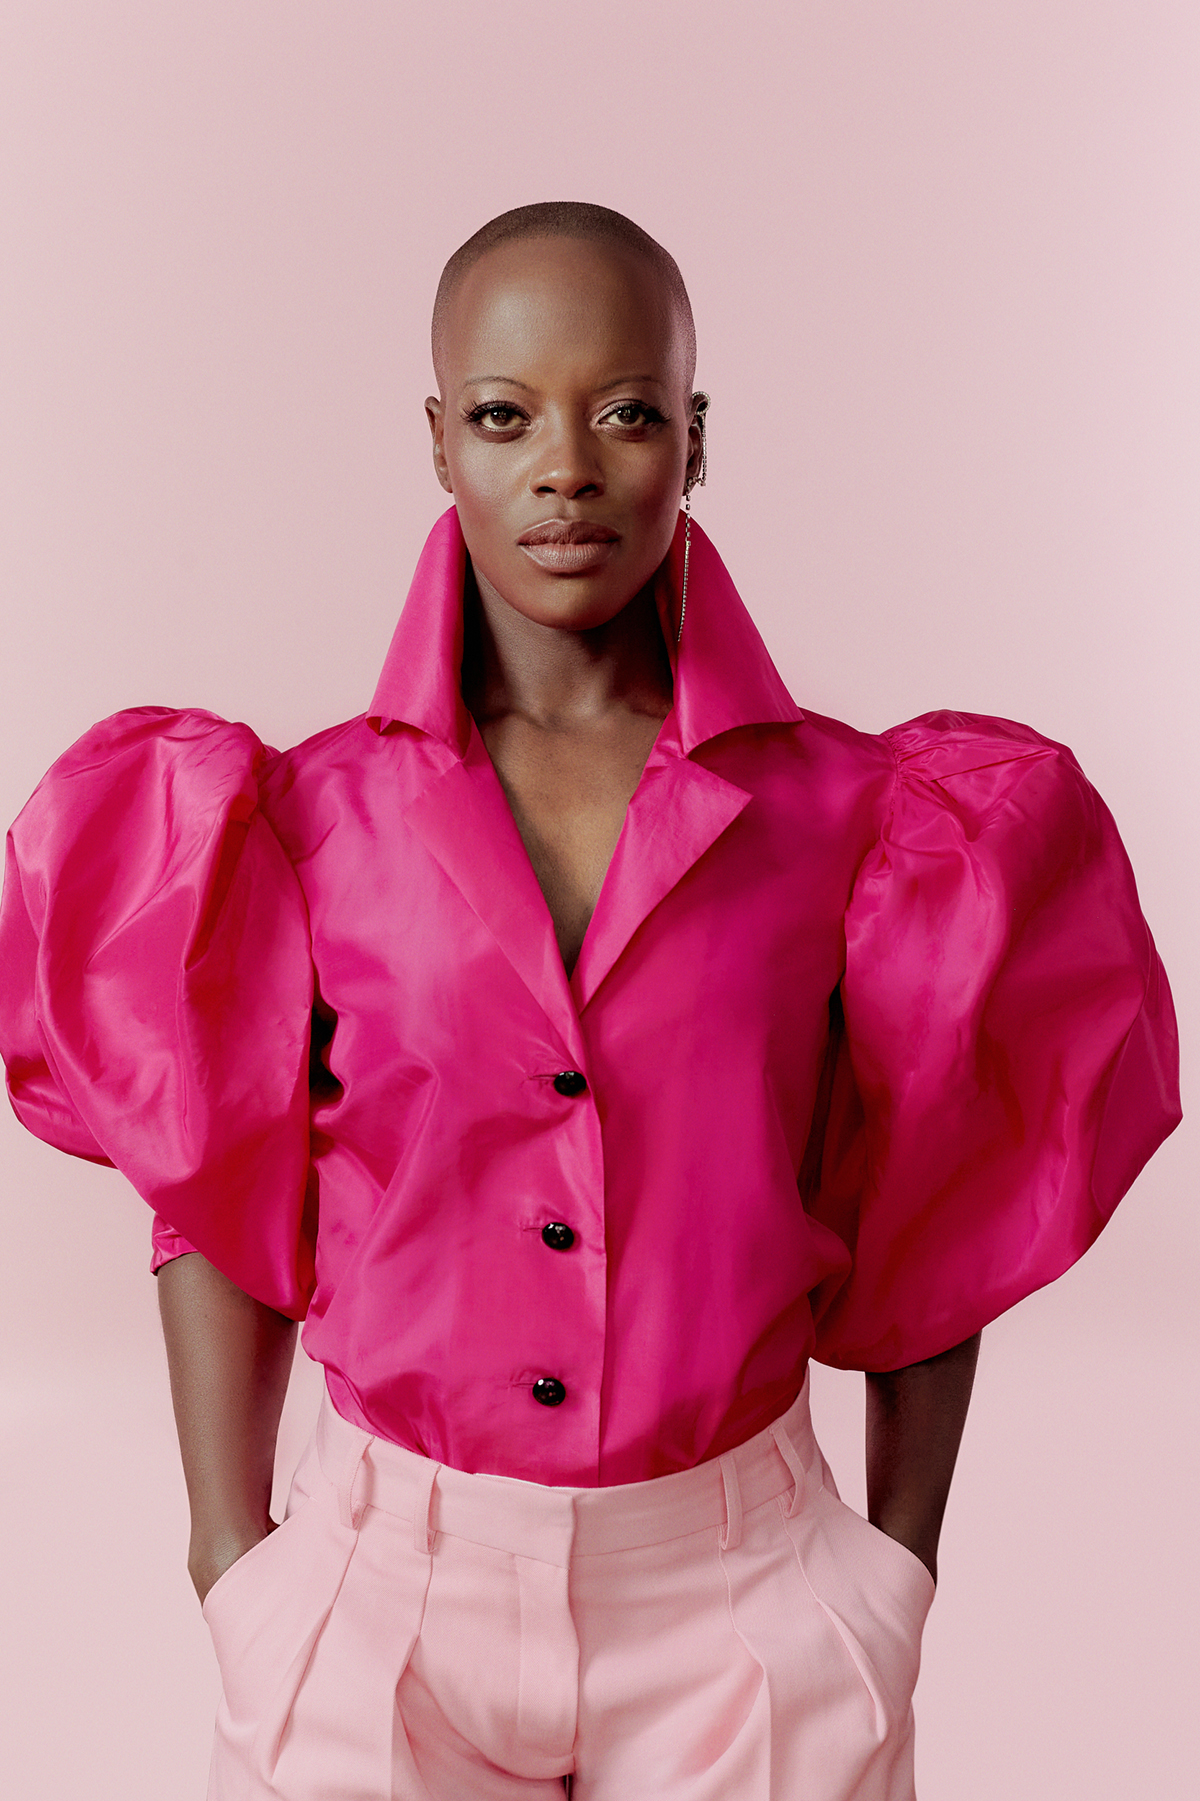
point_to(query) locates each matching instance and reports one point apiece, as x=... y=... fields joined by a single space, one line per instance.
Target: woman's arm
x=915 y=1419
x=230 y=1358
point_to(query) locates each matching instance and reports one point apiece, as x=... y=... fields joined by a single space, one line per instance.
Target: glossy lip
x=569 y=546
x=568 y=531
x=570 y=559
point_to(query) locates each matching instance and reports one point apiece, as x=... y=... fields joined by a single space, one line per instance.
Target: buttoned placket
x=464 y=820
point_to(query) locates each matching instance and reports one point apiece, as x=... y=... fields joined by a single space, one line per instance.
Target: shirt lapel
x=677 y=812
x=724 y=679
x=466 y=825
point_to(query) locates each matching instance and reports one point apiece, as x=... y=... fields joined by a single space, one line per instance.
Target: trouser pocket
x=834 y=1622
x=313 y=1628
x=876 y=1593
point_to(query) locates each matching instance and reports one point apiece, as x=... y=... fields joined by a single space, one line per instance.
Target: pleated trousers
x=733 y=1632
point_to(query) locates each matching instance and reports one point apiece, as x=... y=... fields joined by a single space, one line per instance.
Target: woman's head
x=565 y=353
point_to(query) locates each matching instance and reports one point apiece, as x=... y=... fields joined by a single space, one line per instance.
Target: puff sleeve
x=1008 y=1057
x=156 y=987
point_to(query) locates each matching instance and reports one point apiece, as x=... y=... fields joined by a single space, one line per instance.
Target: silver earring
x=701 y=402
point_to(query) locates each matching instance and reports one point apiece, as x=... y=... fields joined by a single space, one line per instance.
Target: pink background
x=944 y=266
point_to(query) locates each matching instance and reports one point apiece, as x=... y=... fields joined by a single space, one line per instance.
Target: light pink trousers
x=410 y=1633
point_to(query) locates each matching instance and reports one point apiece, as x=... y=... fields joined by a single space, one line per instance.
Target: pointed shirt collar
x=724 y=677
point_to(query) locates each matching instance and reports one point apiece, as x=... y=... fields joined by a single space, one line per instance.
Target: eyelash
x=479 y=413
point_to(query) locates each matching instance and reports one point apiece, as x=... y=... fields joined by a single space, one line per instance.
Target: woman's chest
x=568 y=789
x=715 y=941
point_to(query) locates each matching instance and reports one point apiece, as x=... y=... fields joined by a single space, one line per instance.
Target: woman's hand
x=915 y=1419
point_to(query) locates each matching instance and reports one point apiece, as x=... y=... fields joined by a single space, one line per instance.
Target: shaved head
x=566 y=219
x=565 y=355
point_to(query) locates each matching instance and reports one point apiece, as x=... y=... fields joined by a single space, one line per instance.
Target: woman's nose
x=568 y=463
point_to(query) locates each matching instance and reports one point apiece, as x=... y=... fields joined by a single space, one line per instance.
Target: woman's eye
x=633 y=413
x=498 y=417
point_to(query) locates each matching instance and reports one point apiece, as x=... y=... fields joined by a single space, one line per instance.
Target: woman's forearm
x=915 y=1419
x=230 y=1358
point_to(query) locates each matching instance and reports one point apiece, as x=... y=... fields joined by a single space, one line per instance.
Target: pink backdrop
x=943 y=260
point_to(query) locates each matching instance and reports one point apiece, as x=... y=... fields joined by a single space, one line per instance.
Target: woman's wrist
x=920 y=1536
x=215 y=1548
x=914 y=1419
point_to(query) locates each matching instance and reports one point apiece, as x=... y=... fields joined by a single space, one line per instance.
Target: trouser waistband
x=553 y=1525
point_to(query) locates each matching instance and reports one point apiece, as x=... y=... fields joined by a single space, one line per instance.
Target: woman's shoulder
x=995 y=785
x=152 y=739
x=956 y=742
x=972 y=799
x=186 y=756
x=141 y=786
x=947 y=758
x=943 y=738
x=321 y=753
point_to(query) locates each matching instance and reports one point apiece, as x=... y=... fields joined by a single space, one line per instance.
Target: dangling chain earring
x=701 y=401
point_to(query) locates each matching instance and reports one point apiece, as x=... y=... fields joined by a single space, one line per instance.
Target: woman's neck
x=556 y=678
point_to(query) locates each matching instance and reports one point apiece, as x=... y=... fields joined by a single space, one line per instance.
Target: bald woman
x=579 y=1041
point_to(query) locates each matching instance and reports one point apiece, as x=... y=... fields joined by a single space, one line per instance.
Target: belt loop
x=347 y=1482
x=791 y=1457
x=731 y=1531
x=423 y=1506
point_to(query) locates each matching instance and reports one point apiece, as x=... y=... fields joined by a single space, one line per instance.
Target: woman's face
x=564 y=427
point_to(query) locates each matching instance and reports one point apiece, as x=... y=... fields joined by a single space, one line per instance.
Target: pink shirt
x=868 y=1037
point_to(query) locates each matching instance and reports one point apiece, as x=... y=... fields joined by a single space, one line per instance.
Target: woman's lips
x=571 y=559
x=569 y=546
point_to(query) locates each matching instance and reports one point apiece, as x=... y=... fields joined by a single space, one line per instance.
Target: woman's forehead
x=550 y=298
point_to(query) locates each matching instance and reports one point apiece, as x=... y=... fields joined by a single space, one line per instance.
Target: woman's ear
x=696 y=470
x=437 y=426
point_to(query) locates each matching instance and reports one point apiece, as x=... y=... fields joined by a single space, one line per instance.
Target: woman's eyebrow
x=509 y=380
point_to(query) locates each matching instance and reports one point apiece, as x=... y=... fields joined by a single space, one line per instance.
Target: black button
x=570 y=1081
x=558 y=1236
x=549 y=1391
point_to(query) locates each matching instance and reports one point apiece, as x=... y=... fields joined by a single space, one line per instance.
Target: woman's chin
x=579 y=602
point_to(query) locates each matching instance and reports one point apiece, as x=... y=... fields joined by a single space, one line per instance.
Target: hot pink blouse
x=866 y=1040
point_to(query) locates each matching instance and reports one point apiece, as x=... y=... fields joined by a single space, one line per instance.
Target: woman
x=579 y=1041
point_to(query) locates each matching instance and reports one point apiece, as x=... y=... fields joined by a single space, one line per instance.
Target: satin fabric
x=875 y=1037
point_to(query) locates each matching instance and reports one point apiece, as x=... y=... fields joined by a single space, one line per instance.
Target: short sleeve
x=1005 y=1057
x=156 y=987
